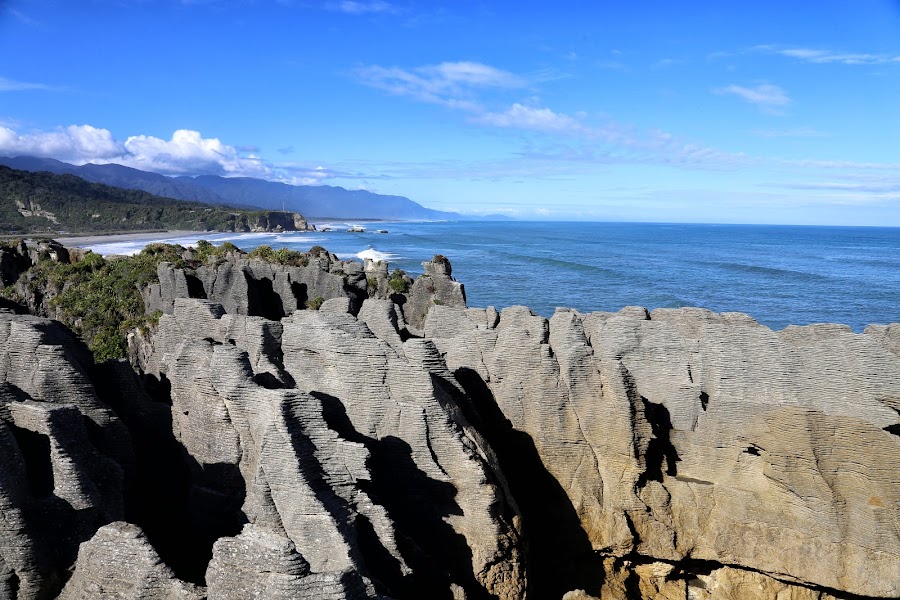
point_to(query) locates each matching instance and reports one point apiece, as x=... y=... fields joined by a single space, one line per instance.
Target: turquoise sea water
x=780 y=275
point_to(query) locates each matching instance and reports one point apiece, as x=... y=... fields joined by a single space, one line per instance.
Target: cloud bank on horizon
x=739 y=113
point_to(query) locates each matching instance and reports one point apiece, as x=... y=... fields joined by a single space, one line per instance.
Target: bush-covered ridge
x=47 y=203
x=100 y=298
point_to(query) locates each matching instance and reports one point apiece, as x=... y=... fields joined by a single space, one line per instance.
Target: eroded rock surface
x=256 y=287
x=350 y=447
x=118 y=563
x=435 y=287
x=694 y=436
x=267 y=450
x=63 y=456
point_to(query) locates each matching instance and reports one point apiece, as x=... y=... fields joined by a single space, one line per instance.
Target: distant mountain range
x=38 y=202
x=313 y=201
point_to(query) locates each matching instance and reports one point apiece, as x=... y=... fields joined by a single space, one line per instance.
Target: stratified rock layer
x=256 y=287
x=435 y=287
x=365 y=461
x=272 y=452
x=685 y=435
x=63 y=455
x=118 y=563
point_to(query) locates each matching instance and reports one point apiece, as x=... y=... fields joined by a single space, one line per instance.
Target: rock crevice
x=398 y=447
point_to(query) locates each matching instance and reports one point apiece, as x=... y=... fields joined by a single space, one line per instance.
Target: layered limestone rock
x=14 y=261
x=63 y=456
x=367 y=467
x=435 y=287
x=256 y=287
x=272 y=220
x=271 y=452
x=118 y=563
x=262 y=564
x=685 y=435
x=404 y=407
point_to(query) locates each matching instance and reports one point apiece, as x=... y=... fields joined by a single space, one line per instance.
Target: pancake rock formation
x=397 y=444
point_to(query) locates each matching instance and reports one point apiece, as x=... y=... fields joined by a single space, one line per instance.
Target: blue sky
x=729 y=112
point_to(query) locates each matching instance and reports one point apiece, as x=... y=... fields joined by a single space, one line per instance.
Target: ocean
x=780 y=275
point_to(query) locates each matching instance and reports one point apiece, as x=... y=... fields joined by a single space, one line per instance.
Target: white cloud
x=532 y=119
x=850 y=181
x=76 y=143
x=301 y=174
x=472 y=73
x=463 y=85
x=668 y=62
x=352 y=7
x=22 y=17
x=797 y=132
x=186 y=153
x=842 y=164
x=449 y=83
x=189 y=152
x=767 y=97
x=11 y=85
x=817 y=56
x=885 y=187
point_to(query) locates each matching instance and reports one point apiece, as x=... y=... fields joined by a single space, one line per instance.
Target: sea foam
x=376 y=255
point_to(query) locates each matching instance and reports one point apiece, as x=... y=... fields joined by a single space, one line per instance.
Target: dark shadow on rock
x=35 y=450
x=418 y=506
x=181 y=506
x=398 y=299
x=269 y=381
x=13 y=307
x=58 y=530
x=215 y=500
x=559 y=555
x=9 y=582
x=383 y=569
x=661 y=456
x=263 y=300
x=194 y=286
x=159 y=390
x=54 y=526
x=300 y=293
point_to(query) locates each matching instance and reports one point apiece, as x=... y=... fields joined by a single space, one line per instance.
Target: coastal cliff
x=314 y=428
x=47 y=203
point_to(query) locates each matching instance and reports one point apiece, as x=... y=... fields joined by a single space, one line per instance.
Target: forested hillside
x=42 y=202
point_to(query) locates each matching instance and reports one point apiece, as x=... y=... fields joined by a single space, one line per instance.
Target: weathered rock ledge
x=396 y=444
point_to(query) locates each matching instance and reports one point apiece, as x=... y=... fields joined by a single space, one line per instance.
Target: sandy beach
x=136 y=236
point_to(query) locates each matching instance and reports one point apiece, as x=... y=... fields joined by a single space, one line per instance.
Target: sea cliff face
x=398 y=444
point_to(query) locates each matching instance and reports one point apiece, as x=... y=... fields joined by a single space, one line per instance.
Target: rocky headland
x=46 y=203
x=304 y=427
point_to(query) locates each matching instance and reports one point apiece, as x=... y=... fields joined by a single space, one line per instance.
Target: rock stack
x=411 y=447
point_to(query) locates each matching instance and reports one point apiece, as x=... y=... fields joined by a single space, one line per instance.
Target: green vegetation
x=262 y=252
x=97 y=298
x=100 y=299
x=282 y=256
x=398 y=281
x=206 y=250
x=45 y=202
